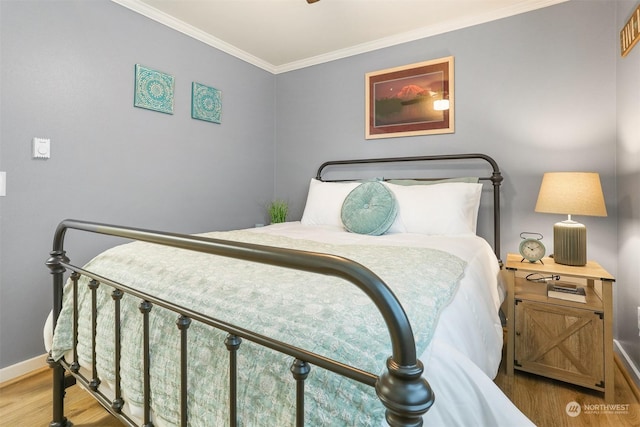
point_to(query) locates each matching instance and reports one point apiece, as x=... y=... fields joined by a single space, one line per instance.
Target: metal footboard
x=401 y=388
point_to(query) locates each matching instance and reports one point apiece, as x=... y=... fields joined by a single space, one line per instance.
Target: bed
x=379 y=307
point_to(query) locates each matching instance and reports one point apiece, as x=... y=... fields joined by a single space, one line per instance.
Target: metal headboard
x=496 y=179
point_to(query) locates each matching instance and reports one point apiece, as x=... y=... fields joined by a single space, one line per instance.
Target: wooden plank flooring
x=27 y=402
x=545 y=401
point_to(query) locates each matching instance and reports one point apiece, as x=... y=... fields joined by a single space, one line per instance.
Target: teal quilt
x=326 y=315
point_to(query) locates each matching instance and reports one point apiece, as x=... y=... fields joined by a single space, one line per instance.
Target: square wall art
x=206 y=103
x=154 y=90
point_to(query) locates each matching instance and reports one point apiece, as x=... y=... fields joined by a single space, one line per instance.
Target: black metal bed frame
x=403 y=391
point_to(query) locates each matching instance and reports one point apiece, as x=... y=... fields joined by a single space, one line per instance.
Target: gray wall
x=67 y=74
x=535 y=91
x=628 y=185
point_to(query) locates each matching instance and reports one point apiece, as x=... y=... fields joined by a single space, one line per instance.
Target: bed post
x=59 y=385
x=405 y=393
x=496 y=180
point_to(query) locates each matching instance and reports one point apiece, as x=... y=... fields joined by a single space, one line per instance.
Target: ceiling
x=283 y=35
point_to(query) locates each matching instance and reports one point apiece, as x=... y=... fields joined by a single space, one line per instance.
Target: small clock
x=532 y=248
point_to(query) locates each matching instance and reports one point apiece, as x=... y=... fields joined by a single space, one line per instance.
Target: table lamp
x=571 y=193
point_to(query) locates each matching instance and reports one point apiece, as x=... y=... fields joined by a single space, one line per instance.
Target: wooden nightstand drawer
x=560 y=342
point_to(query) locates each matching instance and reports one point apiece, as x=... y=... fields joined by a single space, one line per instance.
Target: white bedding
x=466 y=348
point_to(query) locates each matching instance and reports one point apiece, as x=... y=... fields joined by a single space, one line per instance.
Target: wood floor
x=26 y=402
x=545 y=401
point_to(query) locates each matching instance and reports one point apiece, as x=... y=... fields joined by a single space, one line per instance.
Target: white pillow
x=439 y=209
x=324 y=202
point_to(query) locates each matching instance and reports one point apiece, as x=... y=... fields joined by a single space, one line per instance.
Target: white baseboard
x=632 y=369
x=21 y=368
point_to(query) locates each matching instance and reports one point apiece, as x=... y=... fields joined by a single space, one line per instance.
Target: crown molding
x=191 y=31
x=421 y=33
x=429 y=31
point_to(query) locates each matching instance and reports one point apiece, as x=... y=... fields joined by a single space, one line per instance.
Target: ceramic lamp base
x=570 y=243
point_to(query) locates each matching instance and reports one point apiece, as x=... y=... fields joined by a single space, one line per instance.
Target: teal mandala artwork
x=206 y=103
x=154 y=90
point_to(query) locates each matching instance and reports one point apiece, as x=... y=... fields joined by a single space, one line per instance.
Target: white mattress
x=466 y=349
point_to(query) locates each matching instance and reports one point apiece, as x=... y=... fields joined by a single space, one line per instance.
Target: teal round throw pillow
x=370 y=208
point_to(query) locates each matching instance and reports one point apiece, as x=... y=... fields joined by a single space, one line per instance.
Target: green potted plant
x=278 y=211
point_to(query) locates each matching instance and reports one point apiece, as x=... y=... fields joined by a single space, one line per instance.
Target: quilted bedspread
x=323 y=314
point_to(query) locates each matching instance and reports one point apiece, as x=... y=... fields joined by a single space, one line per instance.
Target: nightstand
x=565 y=340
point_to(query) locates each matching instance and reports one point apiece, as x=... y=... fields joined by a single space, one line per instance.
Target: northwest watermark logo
x=573 y=409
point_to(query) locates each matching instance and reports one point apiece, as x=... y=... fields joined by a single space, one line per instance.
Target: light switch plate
x=3 y=184
x=41 y=148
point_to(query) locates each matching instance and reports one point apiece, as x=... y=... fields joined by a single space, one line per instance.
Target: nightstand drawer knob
x=517 y=333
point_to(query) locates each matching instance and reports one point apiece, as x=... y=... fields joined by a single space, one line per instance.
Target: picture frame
x=154 y=90
x=411 y=100
x=206 y=103
x=630 y=33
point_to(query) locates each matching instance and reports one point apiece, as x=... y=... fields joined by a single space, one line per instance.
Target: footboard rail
x=401 y=388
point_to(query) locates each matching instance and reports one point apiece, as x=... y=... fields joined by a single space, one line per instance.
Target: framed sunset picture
x=415 y=99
